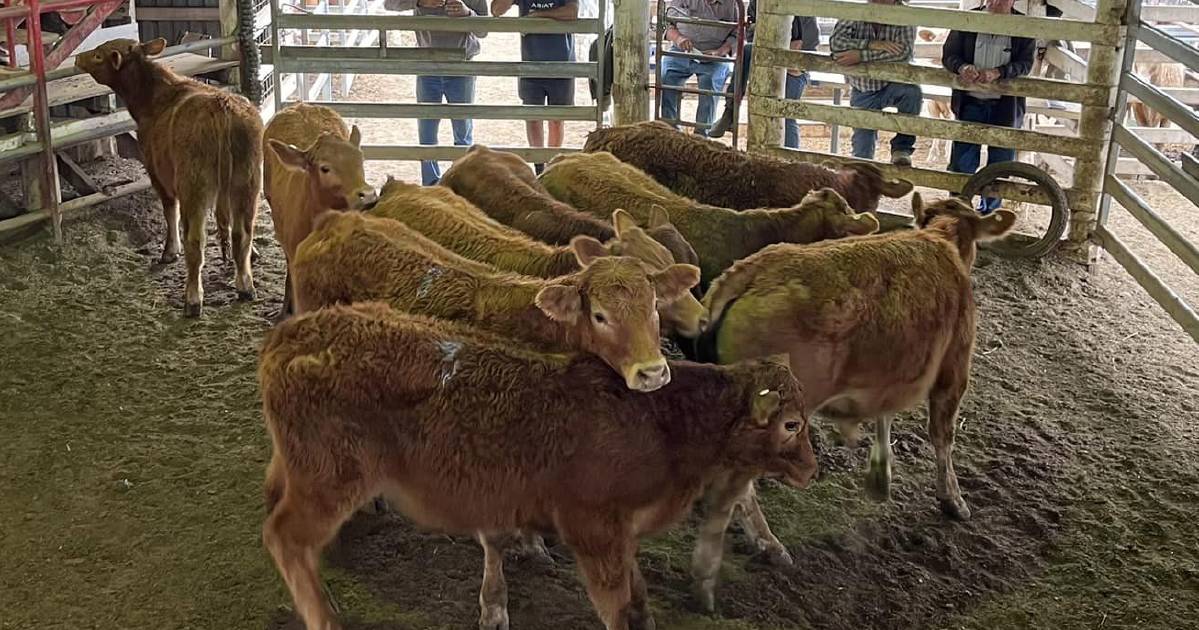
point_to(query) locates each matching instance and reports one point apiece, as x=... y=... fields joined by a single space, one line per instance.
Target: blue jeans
x=905 y=98
x=964 y=156
x=794 y=91
x=711 y=75
x=432 y=90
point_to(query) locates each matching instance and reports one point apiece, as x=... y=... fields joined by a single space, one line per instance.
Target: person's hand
x=848 y=57
x=724 y=51
x=684 y=43
x=883 y=45
x=455 y=8
x=968 y=73
x=428 y=4
x=989 y=76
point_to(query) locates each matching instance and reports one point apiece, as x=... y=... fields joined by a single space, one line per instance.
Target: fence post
x=773 y=32
x=1103 y=68
x=630 y=56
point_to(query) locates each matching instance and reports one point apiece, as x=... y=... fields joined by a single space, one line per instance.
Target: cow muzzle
x=647 y=377
x=364 y=199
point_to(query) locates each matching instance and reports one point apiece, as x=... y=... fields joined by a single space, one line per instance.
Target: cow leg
x=640 y=617
x=224 y=230
x=531 y=545
x=943 y=404
x=193 y=210
x=607 y=572
x=242 y=215
x=878 y=471
x=170 y=213
x=753 y=522
x=721 y=499
x=288 y=307
x=493 y=595
x=294 y=534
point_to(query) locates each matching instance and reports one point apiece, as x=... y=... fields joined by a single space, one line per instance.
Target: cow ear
x=781 y=359
x=918 y=208
x=289 y=154
x=587 y=249
x=154 y=47
x=658 y=217
x=115 y=59
x=765 y=403
x=996 y=225
x=860 y=224
x=674 y=282
x=622 y=221
x=355 y=136
x=560 y=302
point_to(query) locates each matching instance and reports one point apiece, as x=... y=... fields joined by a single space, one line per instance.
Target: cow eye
x=599 y=318
x=325 y=168
x=791 y=427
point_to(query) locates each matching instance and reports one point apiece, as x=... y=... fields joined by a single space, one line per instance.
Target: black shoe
x=537 y=168
x=723 y=125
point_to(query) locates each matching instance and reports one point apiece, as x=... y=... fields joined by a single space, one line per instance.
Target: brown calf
x=202 y=148
x=873 y=325
x=303 y=182
x=470 y=436
x=598 y=182
x=606 y=309
x=455 y=223
x=718 y=174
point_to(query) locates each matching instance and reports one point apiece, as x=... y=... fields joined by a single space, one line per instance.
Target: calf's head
x=685 y=315
x=108 y=62
x=334 y=168
x=772 y=436
x=863 y=184
x=610 y=308
x=836 y=219
x=659 y=228
x=961 y=224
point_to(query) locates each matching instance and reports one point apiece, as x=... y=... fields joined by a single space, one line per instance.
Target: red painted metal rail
x=13 y=14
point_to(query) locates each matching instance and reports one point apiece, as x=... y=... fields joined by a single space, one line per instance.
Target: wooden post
x=1103 y=68
x=228 y=17
x=765 y=81
x=630 y=61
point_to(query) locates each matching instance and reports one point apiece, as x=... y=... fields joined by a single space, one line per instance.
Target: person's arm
x=500 y=7
x=566 y=12
x=843 y=38
x=809 y=33
x=476 y=7
x=1023 y=50
x=897 y=48
x=951 y=55
x=678 y=8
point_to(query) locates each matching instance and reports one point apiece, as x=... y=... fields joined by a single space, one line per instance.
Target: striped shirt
x=705 y=38
x=857 y=35
x=991 y=51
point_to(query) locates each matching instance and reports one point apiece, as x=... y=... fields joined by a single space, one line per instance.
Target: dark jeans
x=432 y=89
x=905 y=98
x=793 y=91
x=964 y=156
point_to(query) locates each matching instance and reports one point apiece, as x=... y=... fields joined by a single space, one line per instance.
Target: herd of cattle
x=487 y=353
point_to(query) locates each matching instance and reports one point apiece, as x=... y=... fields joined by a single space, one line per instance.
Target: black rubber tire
x=1057 y=197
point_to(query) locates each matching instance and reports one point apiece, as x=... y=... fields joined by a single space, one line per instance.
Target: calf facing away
x=202 y=148
x=718 y=174
x=326 y=174
x=470 y=436
x=607 y=308
x=453 y=222
x=873 y=325
x=596 y=183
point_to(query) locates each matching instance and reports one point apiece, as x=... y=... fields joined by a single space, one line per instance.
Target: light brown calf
x=202 y=148
x=567 y=448
x=326 y=174
x=606 y=309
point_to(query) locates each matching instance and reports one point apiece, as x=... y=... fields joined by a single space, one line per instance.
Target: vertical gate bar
x=630 y=62
x=659 y=37
x=766 y=81
x=10 y=32
x=41 y=105
x=1118 y=111
x=1095 y=122
x=599 y=65
x=738 y=69
x=835 y=129
x=276 y=57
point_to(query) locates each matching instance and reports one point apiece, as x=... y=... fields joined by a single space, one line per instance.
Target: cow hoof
x=168 y=257
x=705 y=595
x=955 y=509
x=778 y=556
x=192 y=310
x=247 y=296
x=253 y=254
x=493 y=618
x=878 y=484
x=641 y=620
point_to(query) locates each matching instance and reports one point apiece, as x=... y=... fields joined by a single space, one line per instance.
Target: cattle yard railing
x=1086 y=143
x=385 y=59
x=1184 y=179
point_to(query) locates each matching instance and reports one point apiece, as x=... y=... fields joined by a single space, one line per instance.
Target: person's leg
x=461 y=90
x=710 y=75
x=795 y=88
x=675 y=71
x=726 y=121
x=995 y=155
x=532 y=92
x=908 y=99
x=429 y=90
x=864 y=139
x=963 y=156
x=558 y=92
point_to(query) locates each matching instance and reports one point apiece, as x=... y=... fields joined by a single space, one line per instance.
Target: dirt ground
x=134 y=451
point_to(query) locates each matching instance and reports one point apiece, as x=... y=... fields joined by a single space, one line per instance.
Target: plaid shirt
x=856 y=35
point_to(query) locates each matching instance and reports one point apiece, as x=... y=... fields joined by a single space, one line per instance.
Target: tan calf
x=202 y=148
x=567 y=448
x=325 y=174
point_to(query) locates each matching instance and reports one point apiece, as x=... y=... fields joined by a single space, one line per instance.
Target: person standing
x=715 y=41
x=981 y=59
x=805 y=35
x=433 y=89
x=544 y=47
x=854 y=42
